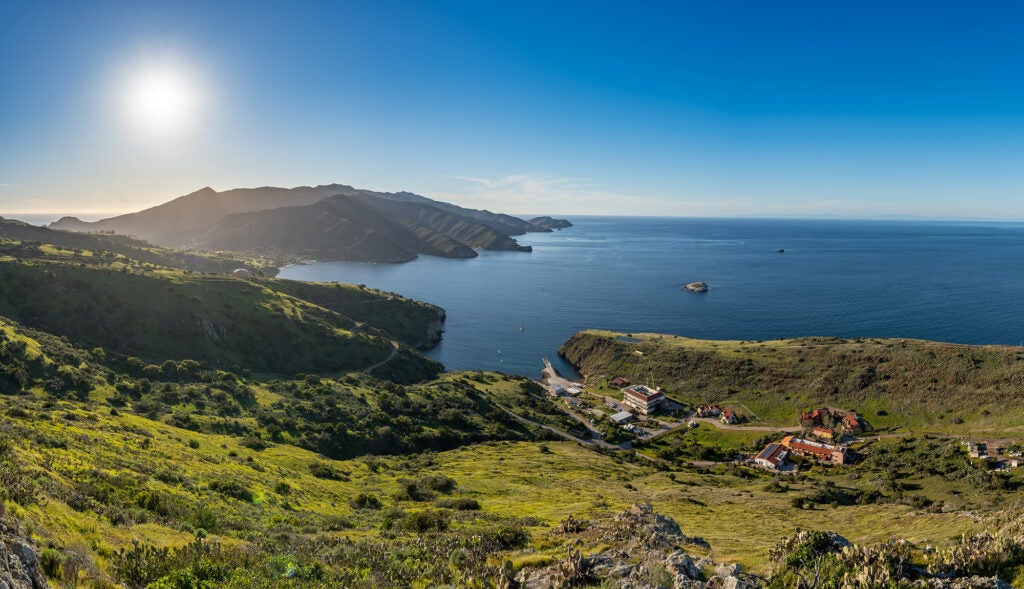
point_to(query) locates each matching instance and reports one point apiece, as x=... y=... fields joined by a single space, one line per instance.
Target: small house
x=709 y=411
x=622 y=417
x=773 y=457
x=825 y=433
x=728 y=416
x=852 y=423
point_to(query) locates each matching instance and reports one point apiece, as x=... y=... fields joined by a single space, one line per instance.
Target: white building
x=645 y=400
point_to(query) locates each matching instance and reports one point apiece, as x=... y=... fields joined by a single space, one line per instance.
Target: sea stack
x=696 y=287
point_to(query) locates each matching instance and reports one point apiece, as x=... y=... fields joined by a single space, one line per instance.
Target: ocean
x=947 y=281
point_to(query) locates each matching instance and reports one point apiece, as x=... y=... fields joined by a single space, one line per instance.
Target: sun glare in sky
x=162 y=101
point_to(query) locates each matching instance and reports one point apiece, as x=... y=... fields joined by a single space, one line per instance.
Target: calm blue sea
x=956 y=282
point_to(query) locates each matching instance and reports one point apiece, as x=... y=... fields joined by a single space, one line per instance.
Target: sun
x=161 y=101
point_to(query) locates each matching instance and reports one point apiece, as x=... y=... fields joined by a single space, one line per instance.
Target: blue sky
x=812 y=109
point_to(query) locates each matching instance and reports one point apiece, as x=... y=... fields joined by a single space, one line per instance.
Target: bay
x=946 y=281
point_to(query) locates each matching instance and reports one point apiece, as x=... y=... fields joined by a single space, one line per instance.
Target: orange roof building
x=816 y=450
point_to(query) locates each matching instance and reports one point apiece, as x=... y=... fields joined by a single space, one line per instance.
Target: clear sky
x=818 y=108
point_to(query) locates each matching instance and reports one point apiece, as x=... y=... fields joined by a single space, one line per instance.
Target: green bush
x=322 y=470
x=426 y=521
x=461 y=504
x=49 y=562
x=365 y=501
x=508 y=537
x=232 y=489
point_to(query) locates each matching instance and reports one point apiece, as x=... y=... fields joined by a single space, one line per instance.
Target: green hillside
x=23 y=241
x=162 y=314
x=180 y=475
x=413 y=322
x=891 y=383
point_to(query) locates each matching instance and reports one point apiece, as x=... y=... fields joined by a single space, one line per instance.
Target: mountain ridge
x=333 y=221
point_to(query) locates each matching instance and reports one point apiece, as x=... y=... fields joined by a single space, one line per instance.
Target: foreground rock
x=649 y=551
x=19 y=564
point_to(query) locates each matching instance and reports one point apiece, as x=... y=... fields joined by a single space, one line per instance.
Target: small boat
x=521 y=328
x=781 y=250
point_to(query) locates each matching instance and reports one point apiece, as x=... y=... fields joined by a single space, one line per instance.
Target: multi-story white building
x=644 y=399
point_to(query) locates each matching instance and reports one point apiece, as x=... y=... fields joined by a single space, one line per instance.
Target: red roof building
x=773 y=456
x=852 y=423
x=816 y=450
x=728 y=416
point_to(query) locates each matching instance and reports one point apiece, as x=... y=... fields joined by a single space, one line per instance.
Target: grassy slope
x=405 y=319
x=509 y=480
x=25 y=241
x=165 y=314
x=101 y=476
x=892 y=383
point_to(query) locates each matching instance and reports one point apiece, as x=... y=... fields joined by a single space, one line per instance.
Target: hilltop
x=330 y=222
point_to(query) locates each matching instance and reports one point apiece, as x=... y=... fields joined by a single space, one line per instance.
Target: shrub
x=508 y=537
x=437 y=482
x=254 y=443
x=365 y=501
x=49 y=561
x=324 y=471
x=232 y=489
x=426 y=521
x=461 y=504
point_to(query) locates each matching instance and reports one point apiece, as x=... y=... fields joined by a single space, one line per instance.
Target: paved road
x=555 y=430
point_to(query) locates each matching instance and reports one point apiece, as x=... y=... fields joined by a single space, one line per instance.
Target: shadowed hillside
x=332 y=222
x=162 y=315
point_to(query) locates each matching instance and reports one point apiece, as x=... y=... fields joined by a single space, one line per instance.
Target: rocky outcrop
x=648 y=550
x=435 y=331
x=547 y=223
x=696 y=287
x=963 y=583
x=19 y=566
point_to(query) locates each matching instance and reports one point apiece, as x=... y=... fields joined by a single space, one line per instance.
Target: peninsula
x=327 y=222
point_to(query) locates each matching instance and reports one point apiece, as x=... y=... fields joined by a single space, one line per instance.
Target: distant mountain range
x=329 y=222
